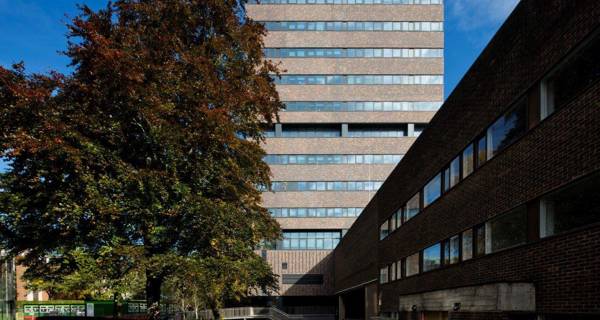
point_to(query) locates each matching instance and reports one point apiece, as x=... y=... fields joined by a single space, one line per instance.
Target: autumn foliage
x=148 y=155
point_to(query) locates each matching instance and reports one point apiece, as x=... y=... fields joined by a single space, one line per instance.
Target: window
x=432 y=190
x=379 y=131
x=468 y=162
x=481 y=151
x=303 y=131
x=452 y=250
x=399 y=269
x=352 y=26
x=455 y=171
x=321 y=159
x=314 y=212
x=480 y=240
x=507 y=230
x=418 y=129
x=337 y=79
x=302 y=279
x=383 y=275
x=412 y=207
x=384 y=230
x=467 y=244
x=316 y=186
x=393 y=272
x=432 y=258
x=412 y=264
x=576 y=74
x=572 y=207
x=507 y=129
x=337 y=2
x=312 y=240
x=446 y=183
x=398 y=218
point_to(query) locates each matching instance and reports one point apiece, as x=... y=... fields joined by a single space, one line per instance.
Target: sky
x=34 y=31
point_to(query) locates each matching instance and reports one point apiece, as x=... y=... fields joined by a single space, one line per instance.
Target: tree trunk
x=115 y=306
x=153 y=284
x=215 y=309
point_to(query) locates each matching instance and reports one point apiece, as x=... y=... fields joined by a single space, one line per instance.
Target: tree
x=149 y=151
x=207 y=283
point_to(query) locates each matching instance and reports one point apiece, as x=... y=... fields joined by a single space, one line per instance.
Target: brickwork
x=564 y=269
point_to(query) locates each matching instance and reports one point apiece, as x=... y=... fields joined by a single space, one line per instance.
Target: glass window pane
x=467 y=244
x=480 y=241
x=384 y=230
x=431 y=258
x=580 y=71
x=481 y=151
x=506 y=231
x=468 y=161
x=507 y=129
x=412 y=264
x=572 y=207
x=432 y=190
x=454 y=244
x=454 y=172
x=412 y=207
x=383 y=275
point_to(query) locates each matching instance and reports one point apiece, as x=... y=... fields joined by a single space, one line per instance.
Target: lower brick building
x=494 y=212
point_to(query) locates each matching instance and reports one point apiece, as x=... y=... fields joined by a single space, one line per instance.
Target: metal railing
x=258 y=313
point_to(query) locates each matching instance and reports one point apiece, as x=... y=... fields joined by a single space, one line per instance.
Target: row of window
x=575 y=74
x=352 y=53
x=306 y=132
x=335 y=79
x=289 y=186
x=314 y=212
x=500 y=134
x=574 y=206
x=336 y=131
x=303 y=159
x=376 y=133
x=409 y=210
x=299 y=240
x=354 y=26
x=351 y=106
x=345 y=1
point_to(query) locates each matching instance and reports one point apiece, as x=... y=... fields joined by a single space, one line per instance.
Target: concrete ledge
x=484 y=298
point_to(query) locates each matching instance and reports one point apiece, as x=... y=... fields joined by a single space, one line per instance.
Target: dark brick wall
x=565 y=269
x=355 y=258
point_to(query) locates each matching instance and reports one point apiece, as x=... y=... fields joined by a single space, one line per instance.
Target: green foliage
x=146 y=156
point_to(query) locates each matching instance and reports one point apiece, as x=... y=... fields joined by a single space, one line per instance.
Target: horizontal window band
x=353 y=53
x=314 y=212
x=302 y=278
x=319 y=186
x=402 y=26
x=337 y=79
x=351 y=2
x=361 y=106
x=320 y=159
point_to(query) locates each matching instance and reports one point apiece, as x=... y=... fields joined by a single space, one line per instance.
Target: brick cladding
x=565 y=269
x=356 y=255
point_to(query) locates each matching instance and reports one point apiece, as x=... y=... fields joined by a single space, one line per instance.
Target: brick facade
x=565 y=269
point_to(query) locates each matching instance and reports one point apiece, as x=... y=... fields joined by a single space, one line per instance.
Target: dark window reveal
x=481 y=151
x=507 y=230
x=302 y=279
x=575 y=206
x=480 y=240
x=507 y=129
x=579 y=72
